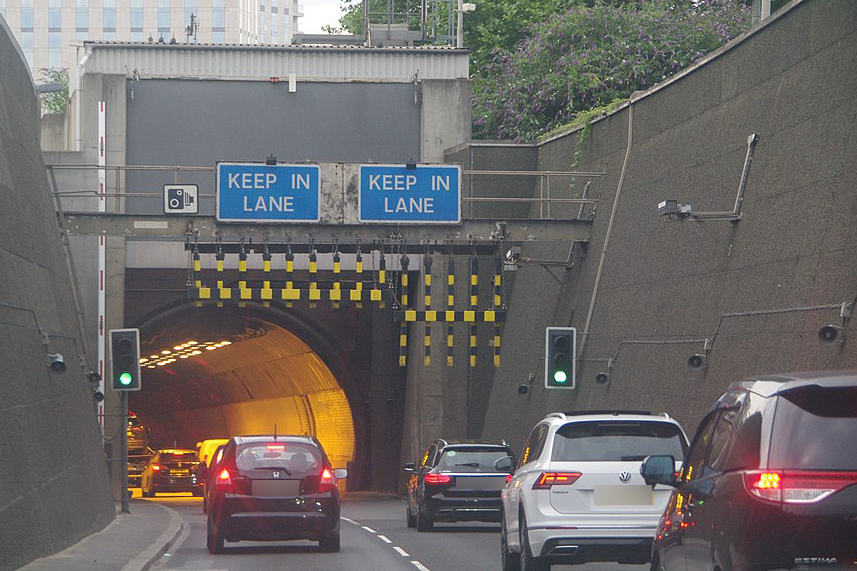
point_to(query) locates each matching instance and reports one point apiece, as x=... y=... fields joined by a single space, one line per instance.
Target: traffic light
x=125 y=359
x=560 y=351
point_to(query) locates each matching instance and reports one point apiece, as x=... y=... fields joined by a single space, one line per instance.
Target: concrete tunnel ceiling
x=232 y=371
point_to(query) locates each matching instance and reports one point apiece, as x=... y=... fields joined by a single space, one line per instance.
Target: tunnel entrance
x=214 y=372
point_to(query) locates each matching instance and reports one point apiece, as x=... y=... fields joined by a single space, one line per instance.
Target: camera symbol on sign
x=181 y=198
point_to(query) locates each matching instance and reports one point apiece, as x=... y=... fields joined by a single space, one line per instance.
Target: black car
x=770 y=480
x=458 y=481
x=204 y=473
x=273 y=488
x=171 y=471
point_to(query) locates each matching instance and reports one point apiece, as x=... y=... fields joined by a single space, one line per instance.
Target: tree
x=56 y=101
x=590 y=56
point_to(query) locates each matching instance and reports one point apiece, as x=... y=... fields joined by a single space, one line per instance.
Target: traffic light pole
x=123 y=431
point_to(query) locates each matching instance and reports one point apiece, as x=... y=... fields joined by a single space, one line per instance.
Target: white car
x=577 y=494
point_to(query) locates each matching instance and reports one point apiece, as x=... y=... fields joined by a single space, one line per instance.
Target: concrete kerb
x=155 y=551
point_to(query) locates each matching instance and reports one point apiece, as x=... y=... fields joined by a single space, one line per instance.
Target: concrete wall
x=53 y=479
x=668 y=283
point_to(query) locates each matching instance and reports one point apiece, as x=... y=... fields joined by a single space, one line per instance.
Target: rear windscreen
x=296 y=458
x=617 y=441
x=471 y=459
x=179 y=457
x=815 y=428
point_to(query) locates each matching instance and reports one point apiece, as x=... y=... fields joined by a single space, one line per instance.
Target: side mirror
x=410 y=466
x=659 y=470
x=504 y=464
x=340 y=473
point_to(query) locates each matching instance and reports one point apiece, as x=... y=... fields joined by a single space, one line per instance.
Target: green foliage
x=405 y=11
x=55 y=102
x=588 y=57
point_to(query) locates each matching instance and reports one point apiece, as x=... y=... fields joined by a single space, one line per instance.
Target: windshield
x=617 y=441
x=471 y=459
x=814 y=429
x=296 y=458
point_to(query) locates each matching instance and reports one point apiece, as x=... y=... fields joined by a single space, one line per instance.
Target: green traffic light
x=125 y=379
x=560 y=377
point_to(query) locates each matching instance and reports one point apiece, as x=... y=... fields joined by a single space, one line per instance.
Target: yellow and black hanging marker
x=450 y=307
x=290 y=294
x=336 y=292
x=403 y=326
x=314 y=293
x=267 y=293
x=382 y=279
x=357 y=293
x=222 y=292
x=429 y=312
x=474 y=302
x=202 y=292
x=243 y=292
x=498 y=303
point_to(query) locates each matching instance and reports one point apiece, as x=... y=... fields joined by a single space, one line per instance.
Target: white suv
x=577 y=494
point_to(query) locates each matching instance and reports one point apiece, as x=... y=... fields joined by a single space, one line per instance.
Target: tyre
x=530 y=562
x=215 y=539
x=424 y=522
x=329 y=542
x=510 y=561
x=412 y=519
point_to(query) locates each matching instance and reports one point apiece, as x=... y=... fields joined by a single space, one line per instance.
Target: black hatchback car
x=458 y=481
x=770 y=480
x=273 y=488
x=171 y=470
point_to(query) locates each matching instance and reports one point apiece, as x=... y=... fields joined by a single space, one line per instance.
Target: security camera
x=696 y=362
x=93 y=377
x=602 y=378
x=57 y=363
x=673 y=209
x=523 y=389
x=513 y=254
x=98 y=396
x=830 y=334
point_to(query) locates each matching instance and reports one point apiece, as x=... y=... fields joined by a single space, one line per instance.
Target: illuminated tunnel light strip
x=184 y=350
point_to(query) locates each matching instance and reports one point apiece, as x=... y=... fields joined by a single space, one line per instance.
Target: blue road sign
x=255 y=192
x=394 y=194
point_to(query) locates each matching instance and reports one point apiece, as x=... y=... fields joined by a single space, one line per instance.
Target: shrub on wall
x=590 y=56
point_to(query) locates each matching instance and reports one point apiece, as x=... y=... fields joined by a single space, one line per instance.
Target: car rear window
x=297 y=458
x=815 y=428
x=617 y=441
x=471 y=459
x=179 y=457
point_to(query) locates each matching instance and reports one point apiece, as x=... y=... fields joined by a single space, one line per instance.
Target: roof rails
x=614 y=412
x=559 y=415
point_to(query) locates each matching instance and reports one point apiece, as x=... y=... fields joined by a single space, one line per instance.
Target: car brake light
x=435 y=479
x=796 y=487
x=327 y=477
x=508 y=478
x=548 y=479
x=156 y=467
x=224 y=478
x=276 y=446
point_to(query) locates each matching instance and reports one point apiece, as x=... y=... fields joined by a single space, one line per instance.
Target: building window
x=81 y=19
x=26 y=16
x=275 y=25
x=109 y=17
x=164 y=19
x=191 y=7
x=136 y=35
x=218 y=37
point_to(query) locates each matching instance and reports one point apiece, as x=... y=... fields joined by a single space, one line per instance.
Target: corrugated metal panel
x=264 y=62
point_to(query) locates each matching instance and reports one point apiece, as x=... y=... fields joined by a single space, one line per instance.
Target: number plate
x=627 y=495
x=276 y=488
x=479 y=483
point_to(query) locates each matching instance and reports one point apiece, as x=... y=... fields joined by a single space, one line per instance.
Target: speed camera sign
x=181 y=199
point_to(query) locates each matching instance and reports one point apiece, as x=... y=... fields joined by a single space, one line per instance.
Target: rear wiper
x=633 y=458
x=273 y=468
x=470 y=464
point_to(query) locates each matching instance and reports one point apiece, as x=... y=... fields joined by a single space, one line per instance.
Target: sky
x=318 y=13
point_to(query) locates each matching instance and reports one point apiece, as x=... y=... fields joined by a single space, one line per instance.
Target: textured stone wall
x=672 y=283
x=53 y=478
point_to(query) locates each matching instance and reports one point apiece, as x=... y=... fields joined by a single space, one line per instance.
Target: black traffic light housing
x=560 y=353
x=125 y=359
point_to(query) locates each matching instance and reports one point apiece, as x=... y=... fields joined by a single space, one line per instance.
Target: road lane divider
x=420 y=566
x=401 y=551
x=384 y=538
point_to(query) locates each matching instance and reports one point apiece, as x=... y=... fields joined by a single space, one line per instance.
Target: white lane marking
x=369 y=529
x=348 y=520
x=384 y=538
x=420 y=566
x=401 y=551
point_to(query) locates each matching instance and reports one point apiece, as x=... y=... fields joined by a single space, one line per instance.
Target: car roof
x=269 y=437
x=607 y=415
x=473 y=443
x=769 y=385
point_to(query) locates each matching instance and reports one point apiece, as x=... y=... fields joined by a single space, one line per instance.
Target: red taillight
x=276 y=446
x=224 y=478
x=327 y=477
x=156 y=467
x=548 y=479
x=508 y=478
x=435 y=479
x=794 y=487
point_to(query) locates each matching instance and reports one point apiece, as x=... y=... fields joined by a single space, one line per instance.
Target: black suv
x=458 y=481
x=272 y=488
x=770 y=479
x=171 y=471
